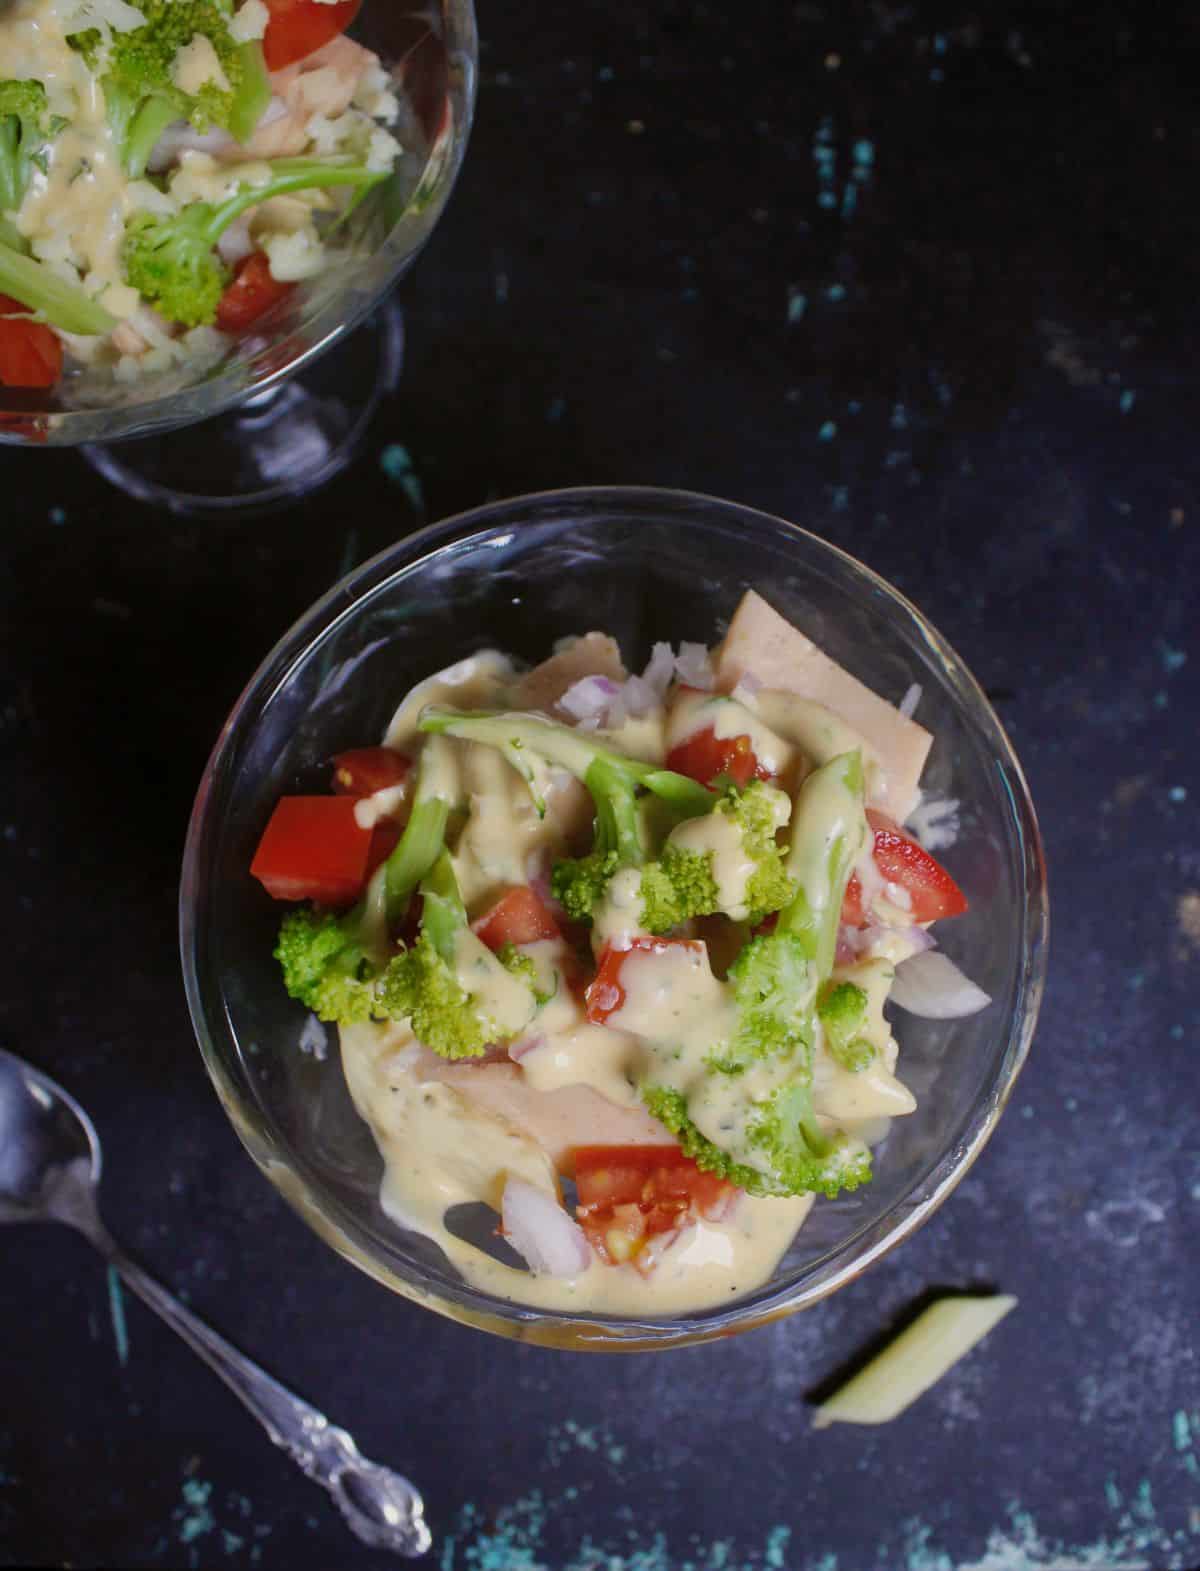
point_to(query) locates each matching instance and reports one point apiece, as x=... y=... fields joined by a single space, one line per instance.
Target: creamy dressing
x=441 y=1149
x=695 y=712
x=453 y=1133
x=481 y=681
x=74 y=211
x=717 y=836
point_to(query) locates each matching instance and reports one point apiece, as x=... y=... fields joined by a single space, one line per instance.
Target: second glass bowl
x=643 y=565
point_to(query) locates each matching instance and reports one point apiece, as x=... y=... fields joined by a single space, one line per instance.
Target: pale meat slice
x=595 y=654
x=560 y=1121
x=764 y=644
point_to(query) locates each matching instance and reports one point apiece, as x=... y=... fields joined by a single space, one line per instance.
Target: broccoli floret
x=424 y=982
x=845 y=1164
x=520 y=965
x=173 y=262
x=682 y=883
x=613 y=780
x=140 y=70
x=842 y=1008
x=43 y=290
x=331 y=963
x=324 y=966
x=26 y=130
x=774 y=1144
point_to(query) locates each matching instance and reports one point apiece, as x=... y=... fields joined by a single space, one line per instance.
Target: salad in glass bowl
x=634 y=933
x=198 y=195
x=613 y=1009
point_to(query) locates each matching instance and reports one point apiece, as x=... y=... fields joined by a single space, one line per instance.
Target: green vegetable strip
x=828 y=827
x=41 y=289
x=252 y=97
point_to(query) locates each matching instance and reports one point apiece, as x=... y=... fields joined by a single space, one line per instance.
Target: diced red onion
x=182 y=137
x=236 y=243
x=747 y=686
x=589 y=698
x=546 y=1238
x=932 y=986
x=660 y=669
x=694 y=668
x=908 y=704
x=528 y=1043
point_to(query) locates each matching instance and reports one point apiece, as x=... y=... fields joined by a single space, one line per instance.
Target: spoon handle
x=382 y=1507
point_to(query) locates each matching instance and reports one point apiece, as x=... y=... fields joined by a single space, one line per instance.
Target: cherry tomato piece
x=314 y=849
x=297 y=28
x=518 y=917
x=364 y=770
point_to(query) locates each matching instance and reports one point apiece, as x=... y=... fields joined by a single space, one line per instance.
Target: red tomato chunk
x=606 y=995
x=705 y=755
x=904 y=861
x=314 y=849
x=518 y=917
x=251 y=294
x=298 y=27
x=31 y=353
x=629 y=1195
x=364 y=770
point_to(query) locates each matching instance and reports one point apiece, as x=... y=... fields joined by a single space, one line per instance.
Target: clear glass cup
x=516 y=575
x=275 y=422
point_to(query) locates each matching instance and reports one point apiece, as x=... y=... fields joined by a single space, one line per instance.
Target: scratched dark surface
x=922 y=279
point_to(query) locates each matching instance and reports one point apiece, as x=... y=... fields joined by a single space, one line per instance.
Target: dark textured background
x=976 y=373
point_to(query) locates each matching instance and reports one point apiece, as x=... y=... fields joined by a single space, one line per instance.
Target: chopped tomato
x=385 y=837
x=519 y=917
x=706 y=755
x=364 y=770
x=31 y=353
x=252 y=293
x=314 y=849
x=298 y=27
x=606 y=995
x=631 y=1194
x=904 y=861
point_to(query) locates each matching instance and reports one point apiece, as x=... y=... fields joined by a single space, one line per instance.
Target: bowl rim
x=23 y=424
x=578 y=1330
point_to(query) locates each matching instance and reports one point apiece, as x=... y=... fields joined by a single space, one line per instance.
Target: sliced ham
x=764 y=645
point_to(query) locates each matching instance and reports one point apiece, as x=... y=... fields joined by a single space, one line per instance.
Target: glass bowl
x=642 y=565
x=431 y=51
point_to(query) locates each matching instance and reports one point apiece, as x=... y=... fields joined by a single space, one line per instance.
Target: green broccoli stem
x=571 y=750
x=419 y=846
x=143 y=133
x=62 y=304
x=287 y=175
x=12 y=185
x=618 y=822
x=443 y=915
x=253 y=95
x=828 y=827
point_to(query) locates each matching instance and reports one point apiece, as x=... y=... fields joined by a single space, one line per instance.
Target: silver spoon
x=50 y=1172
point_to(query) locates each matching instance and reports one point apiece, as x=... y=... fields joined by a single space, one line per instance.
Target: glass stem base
x=275 y=447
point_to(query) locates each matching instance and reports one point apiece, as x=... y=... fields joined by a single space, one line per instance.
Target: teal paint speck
x=827 y=432
x=835 y=292
x=1177 y=794
x=116 y=1307
x=396 y=463
x=1172 y=659
x=194 y=1516
x=899 y=421
x=232 y=1542
x=827 y=199
x=864 y=152
x=1127 y=401
x=1112 y=1494
x=58 y=516
x=849 y=200
x=777 y=1542
x=1176 y=1033
x=796 y=307
x=1160 y=700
